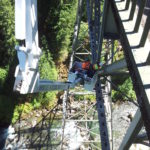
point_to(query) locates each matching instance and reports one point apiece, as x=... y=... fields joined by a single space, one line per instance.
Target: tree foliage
x=7 y=39
x=65 y=27
x=126 y=89
x=56 y=23
x=3 y=75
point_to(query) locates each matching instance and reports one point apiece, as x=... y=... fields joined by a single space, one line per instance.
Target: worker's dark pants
x=77 y=66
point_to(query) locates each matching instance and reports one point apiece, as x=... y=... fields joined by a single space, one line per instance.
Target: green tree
x=127 y=89
x=7 y=38
x=65 y=27
x=56 y=23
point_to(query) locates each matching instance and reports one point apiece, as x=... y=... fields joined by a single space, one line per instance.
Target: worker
x=85 y=68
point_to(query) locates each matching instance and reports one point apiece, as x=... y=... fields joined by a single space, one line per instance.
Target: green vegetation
x=65 y=27
x=21 y=110
x=56 y=22
x=127 y=89
x=84 y=97
x=7 y=39
x=3 y=75
x=83 y=31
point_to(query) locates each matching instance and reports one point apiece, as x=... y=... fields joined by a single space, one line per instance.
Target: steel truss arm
x=45 y=85
x=132 y=131
x=114 y=68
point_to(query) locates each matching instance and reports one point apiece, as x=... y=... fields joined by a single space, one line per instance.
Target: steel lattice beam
x=132 y=131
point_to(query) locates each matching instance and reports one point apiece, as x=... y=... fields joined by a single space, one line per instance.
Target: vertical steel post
x=102 y=117
x=100 y=41
x=139 y=16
